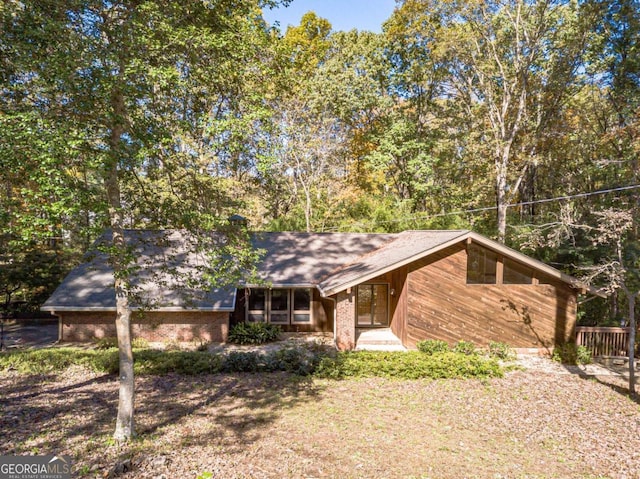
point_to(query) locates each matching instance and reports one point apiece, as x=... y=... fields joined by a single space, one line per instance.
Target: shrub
x=139 y=343
x=154 y=362
x=254 y=333
x=407 y=365
x=41 y=361
x=106 y=343
x=465 y=347
x=431 y=346
x=501 y=351
x=570 y=353
x=241 y=362
x=297 y=360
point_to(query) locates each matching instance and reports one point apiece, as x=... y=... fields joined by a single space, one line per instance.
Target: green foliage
x=53 y=360
x=570 y=353
x=407 y=365
x=501 y=351
x=242 y=362
x=106 y=343
x=465 y=347
x=254 y=333
x=432 y=346
x=155 y=362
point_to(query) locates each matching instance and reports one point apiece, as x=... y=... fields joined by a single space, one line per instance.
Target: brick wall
x=346 y=320
x=152 y=326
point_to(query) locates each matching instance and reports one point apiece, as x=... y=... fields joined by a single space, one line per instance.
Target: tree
x=509 y=66
x=131 y=83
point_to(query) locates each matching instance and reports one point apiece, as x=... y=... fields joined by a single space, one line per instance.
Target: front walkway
x=381 y=339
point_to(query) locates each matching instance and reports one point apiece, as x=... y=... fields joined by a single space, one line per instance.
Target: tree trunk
x=632 y=341
x=125 y=429
x=501 y=201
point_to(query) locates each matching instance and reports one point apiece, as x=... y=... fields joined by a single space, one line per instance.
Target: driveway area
x=19 y=334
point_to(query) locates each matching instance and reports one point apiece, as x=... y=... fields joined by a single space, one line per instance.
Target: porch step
x=378 y=340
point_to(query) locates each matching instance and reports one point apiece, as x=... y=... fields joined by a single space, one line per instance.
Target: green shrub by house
x=253 y=333
x=570 y=353
x=465 y=347
x=501 y=351
x=407 y=365
x=431 y=346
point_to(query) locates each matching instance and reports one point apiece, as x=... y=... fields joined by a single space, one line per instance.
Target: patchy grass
x=525 y=425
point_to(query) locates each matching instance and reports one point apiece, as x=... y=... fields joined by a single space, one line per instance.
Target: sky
x=342 y=14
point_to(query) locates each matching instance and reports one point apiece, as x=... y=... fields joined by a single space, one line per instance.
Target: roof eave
x=398 y=264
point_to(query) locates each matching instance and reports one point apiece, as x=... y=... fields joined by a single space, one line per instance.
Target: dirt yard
x=531 y=424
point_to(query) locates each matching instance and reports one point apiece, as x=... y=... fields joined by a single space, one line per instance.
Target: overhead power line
x=511 y=205
x=535 y=202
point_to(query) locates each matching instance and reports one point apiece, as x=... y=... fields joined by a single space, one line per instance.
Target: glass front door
x=373 y=305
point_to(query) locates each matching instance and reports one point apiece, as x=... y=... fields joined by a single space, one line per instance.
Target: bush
x=154 y=362
x=501 y=351
x=106 y=343
x=465 y=347
x=254 y=333
x=241 y=362
x=431 y=346
x=407 y=365
x=570 y=353
x=42 y=361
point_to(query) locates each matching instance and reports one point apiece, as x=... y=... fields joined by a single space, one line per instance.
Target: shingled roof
x=332 y=262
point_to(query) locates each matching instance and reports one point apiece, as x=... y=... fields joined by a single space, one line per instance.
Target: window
x=481 y=265
x=301 y=306
x=372 y=306
x=279 y=305
x=257 y=305
x=516 y=273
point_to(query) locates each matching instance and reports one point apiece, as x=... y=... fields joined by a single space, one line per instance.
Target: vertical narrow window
x=301 y=305
x=279 y=306
x=257 y=305
x=481 y=265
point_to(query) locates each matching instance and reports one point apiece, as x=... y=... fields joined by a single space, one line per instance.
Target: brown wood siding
x=398 y=312
x=440 y=305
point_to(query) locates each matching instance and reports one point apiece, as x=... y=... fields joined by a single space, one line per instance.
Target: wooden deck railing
x=603 y=342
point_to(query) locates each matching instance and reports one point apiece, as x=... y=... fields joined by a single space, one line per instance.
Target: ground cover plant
x=303 y=360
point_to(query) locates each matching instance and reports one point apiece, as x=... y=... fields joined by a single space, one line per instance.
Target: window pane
x=516 y=273
x=279 y=300
x=481 y=265
x=280 y=318
x=255 y=318
x=301 y=318
x=301 y=299
x=365 y=298
x=380 y=300
x=257 y=299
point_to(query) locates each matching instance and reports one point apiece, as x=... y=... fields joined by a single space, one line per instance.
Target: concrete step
x=378 y=340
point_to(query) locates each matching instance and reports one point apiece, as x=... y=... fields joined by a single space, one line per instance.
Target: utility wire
x=511 y=205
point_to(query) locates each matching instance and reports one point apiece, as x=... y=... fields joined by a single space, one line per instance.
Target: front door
x=373 y=305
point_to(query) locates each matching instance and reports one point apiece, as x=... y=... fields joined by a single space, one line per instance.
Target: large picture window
x=481 y=265
x=516 y=273
x=279 y=305
x=486 y=267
